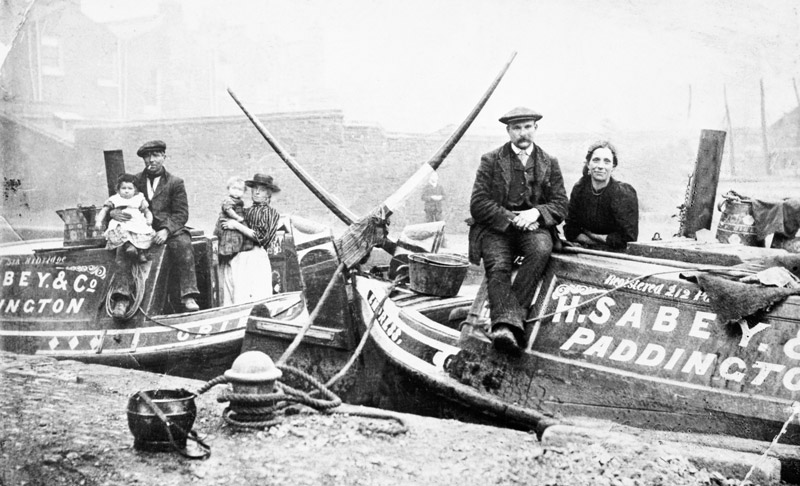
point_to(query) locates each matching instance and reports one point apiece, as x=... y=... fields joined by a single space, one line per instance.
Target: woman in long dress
x=248 y=275
x=603 y=212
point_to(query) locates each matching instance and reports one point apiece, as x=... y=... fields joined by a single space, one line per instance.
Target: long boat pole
x=327 y=199
x=363 y=234
x=422 y=174
x=370 y=231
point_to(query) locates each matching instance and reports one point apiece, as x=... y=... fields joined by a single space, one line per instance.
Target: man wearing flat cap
x=517 y=201
x=166 y=195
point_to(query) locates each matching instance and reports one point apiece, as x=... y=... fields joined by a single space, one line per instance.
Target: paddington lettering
x=697 y=363
x=43 y=305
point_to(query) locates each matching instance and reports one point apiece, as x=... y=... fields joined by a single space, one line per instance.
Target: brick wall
x=360 y=164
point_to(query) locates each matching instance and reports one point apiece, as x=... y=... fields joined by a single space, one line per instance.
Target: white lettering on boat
x=60 y=291
x=673 y=291
x=669 y=339
x=698 y=363
x=40 y=306
x=391 y=329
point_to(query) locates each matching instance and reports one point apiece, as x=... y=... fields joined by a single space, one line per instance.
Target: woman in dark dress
x=603 y=212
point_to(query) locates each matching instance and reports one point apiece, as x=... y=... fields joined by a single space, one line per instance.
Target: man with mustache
x=517 y=200
x=166 y=195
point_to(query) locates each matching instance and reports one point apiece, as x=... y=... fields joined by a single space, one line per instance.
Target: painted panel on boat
x=397 y=337
x=662 y=328
x=59 y=285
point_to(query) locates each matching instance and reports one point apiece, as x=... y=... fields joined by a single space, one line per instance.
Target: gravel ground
x=64 y=423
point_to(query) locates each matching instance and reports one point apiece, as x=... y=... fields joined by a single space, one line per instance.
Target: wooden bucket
x=437 y=274
x=737 y=226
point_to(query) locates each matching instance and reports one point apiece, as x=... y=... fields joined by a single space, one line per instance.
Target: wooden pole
x=765 y=145
x=797 y=97
x=423 y=173
x=703 y=190
x=325 y=197
x=730 y=129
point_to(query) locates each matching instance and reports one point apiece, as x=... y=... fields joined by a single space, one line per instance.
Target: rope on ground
x=795 y=412
x=260 y=410
x=400 y=426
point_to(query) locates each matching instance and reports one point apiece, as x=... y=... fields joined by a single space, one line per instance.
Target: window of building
x=151 y=92
x=51 y=57
x=108 y=69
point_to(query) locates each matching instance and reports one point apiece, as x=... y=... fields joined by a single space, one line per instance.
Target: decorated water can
x=79 y=226
x=737 y=225
x=439 y=274
x=165 y=429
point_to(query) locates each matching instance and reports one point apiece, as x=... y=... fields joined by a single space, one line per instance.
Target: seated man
x=517 y=201
x=603 y=212
x=169 y=204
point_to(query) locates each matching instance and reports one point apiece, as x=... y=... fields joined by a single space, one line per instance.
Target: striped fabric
x=263 y=220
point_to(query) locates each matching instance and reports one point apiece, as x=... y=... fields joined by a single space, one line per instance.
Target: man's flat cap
x=151 y=146
x=520 y=113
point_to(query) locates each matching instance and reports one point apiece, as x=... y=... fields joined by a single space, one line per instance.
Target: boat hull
x=200 y=344
x=649 y=354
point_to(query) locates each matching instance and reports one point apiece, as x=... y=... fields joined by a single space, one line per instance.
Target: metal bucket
x=439 y=274
x=149 y=431
x=737 y=226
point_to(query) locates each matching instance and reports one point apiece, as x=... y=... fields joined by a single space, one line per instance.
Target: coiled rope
x=137 y=271
x=260 y=410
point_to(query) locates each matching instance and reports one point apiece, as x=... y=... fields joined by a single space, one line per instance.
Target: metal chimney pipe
x=115 y=167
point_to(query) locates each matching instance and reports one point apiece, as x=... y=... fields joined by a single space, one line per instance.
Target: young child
x=231 y=241
x=136 y=234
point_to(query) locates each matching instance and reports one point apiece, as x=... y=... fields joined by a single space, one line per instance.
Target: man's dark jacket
x=490 y=194
x=169 y=204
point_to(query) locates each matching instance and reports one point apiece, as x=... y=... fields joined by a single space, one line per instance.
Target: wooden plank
x=703 y=190
x=703 y=253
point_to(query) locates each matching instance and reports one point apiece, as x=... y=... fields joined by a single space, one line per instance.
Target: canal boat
x=635 y=338
x=54 y=302
x=644 y=338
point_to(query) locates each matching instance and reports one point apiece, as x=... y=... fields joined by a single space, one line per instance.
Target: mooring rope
x=137 y=272
x=795 y=412
x=302 y=333
x=258 y=410
x=366 y=334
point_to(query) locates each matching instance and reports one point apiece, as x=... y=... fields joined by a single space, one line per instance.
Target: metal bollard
x=253 y=373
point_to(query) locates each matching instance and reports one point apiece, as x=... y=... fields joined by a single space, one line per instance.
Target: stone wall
x=360 y=165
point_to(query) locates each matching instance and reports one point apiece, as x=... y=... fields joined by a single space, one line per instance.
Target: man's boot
x=504 y=340
x=189 y=304
x=119 y=309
